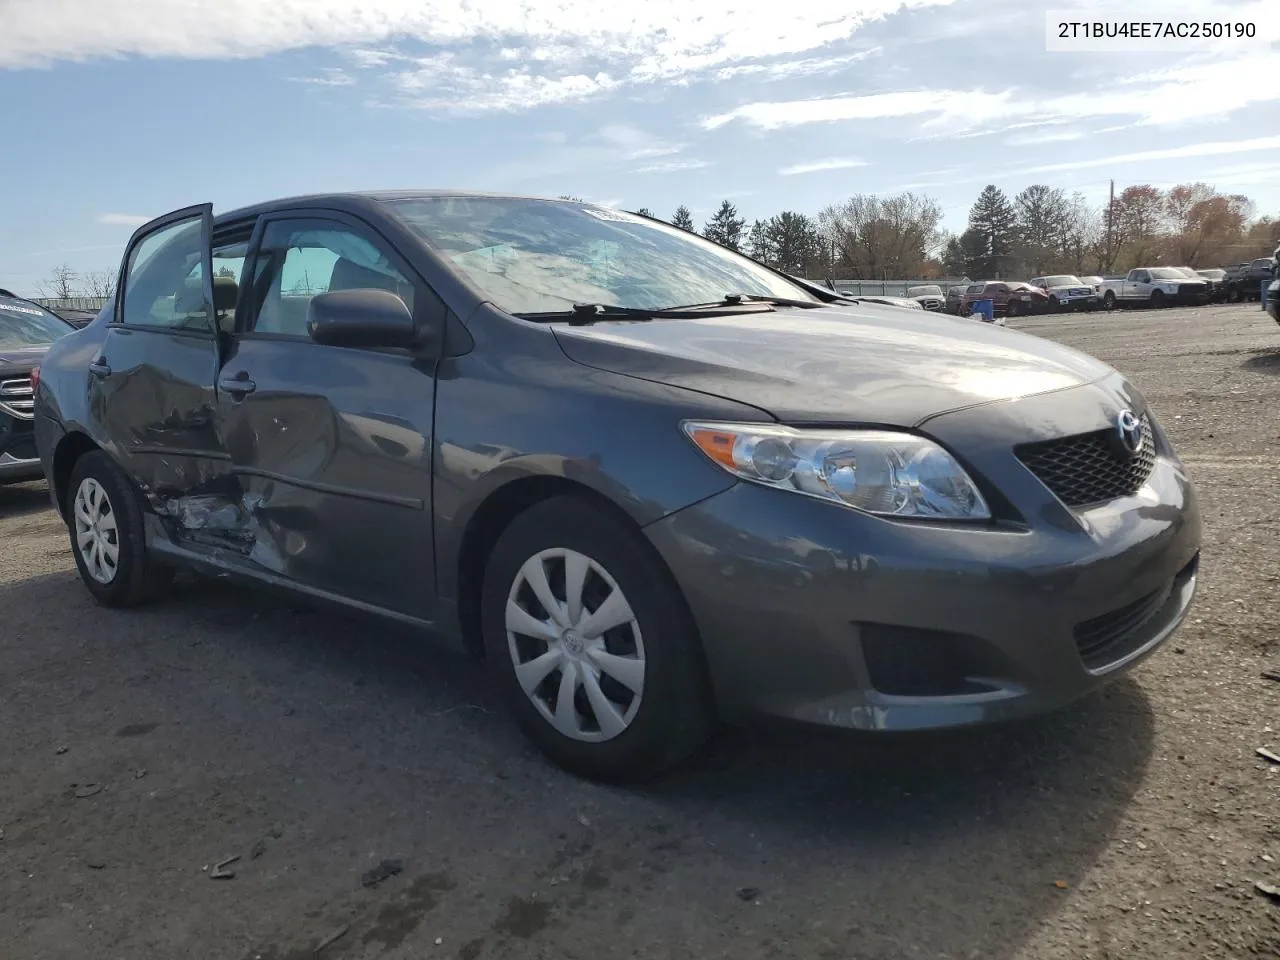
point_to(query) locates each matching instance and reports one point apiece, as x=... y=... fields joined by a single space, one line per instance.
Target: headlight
x=876 y=471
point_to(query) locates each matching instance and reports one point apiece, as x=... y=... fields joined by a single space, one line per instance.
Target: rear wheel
x=108 y=540
x=1108 y=300
x=592 y=643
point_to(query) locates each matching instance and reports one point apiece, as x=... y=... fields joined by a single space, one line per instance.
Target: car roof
x=363 y=199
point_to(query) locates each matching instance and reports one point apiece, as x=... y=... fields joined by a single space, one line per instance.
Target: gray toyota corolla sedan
x=652 y=482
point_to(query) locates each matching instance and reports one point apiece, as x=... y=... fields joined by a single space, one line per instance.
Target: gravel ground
x=143 y=748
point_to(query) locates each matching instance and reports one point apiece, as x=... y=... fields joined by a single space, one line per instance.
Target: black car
x=1273 y=300
x=26 y=331
x=653 y=482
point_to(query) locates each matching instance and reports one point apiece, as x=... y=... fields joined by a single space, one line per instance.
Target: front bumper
x=812 y=612
x=19 y=461
x=1078 y=301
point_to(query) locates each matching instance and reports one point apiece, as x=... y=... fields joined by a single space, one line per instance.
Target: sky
x=116 y=111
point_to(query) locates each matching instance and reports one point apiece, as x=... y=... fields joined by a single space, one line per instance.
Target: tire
x=1109 y=300
x=663 y=711
x=1054 y=305
x=1013 y=309
x=1157 y=299
x=108 y=540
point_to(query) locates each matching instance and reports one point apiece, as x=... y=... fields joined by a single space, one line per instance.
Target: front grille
x=1110 y=637
x=16 y=398
x=1090 y=468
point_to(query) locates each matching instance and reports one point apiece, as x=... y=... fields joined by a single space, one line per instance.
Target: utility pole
x=1111 y=214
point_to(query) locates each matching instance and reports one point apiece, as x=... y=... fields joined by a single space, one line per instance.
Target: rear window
x=26 y=324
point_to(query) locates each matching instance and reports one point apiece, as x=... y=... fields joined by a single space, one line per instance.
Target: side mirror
x=360 y=318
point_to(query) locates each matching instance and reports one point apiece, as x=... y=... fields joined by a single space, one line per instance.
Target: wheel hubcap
x=97 y=537
x=576 y=645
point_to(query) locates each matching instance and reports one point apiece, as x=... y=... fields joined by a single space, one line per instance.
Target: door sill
x=229 y=562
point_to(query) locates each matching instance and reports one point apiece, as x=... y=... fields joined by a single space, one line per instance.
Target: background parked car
x=930 y=296
x=955 y=298
x=1273 y=300
x=1244 y=280
x=1067 y=292
x=1009 y=298
x=1217 y=278
x=1154 y=287
x=26 y=332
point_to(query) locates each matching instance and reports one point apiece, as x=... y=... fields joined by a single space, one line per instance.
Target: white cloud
x=123 y=219
x=554 y=50
x=1216 y=149
x=816 y=166
x=673 y=166
x=1194 y=92
x=329 y=77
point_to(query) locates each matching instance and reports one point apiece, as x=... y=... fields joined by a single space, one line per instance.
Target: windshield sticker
x=604 y=213
x=11 y=307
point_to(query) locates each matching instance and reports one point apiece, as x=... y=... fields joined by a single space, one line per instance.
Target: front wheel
x=592 y=643
x=1054 y=305
x=1157 y=299
x=1014 y=309
x=108 y=539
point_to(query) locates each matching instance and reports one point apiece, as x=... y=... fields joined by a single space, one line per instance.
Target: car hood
x=865 y=364
x=22 y=357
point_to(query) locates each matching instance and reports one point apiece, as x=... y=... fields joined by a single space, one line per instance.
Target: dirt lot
x=142 y=748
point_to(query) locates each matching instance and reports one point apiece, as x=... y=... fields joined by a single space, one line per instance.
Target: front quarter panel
x=516 y=407
x=62 y=400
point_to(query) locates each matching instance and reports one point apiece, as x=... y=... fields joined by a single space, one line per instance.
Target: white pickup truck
x=1153 y=287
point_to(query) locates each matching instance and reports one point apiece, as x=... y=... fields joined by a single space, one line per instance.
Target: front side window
x=544 y=256
x=305 y=258
x=164 y=282
x=24 y=324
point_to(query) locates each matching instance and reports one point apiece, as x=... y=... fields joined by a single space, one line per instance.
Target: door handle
x=100 y=368
x=238 y=385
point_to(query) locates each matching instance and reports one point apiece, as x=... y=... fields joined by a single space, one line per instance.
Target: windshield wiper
x=735 y=299
x=582 y=314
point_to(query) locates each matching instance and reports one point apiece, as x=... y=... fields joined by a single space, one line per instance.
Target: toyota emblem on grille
x=1130 y=430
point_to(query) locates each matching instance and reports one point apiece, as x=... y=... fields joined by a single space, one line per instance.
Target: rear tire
x=614 y=705
x=1108 y=301
x=108 y=539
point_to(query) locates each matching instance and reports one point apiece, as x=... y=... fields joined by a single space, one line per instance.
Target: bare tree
x=874 y=237
x=61 y=283
x=100 y=283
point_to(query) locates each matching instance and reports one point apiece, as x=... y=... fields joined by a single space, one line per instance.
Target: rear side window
x=164 y=281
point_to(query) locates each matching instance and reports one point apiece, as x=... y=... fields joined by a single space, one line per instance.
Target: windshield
x=925 y=291
x=1165 y=273
x=24 y=324
x=542 y=256
x=1063 y=281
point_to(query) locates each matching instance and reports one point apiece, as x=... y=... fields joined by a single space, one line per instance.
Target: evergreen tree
x=645 y=212
x=994 y=222
x=682 y=218
x=758 y=246
x=725 y=226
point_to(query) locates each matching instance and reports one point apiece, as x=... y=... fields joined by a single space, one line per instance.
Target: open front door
x=152 y=386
